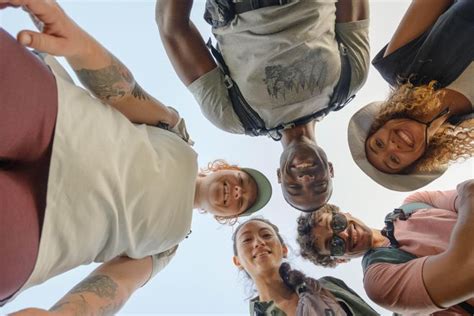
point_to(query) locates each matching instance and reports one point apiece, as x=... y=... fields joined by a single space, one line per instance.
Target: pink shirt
x=400 y=287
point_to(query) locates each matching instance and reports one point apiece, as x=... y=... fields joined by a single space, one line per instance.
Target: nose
x=344 y=234
x=258 y=242
x=237 y=193
x=395 y=143
x=305 y=178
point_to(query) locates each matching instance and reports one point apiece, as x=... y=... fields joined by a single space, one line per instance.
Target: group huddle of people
x=278 y=68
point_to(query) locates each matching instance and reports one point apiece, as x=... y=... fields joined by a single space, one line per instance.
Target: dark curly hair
x=306 y=224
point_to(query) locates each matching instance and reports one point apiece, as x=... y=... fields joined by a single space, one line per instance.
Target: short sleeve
x=444 y=200
x=161 y=260
x=211 y=94
x=355 y=36
x=399 y=287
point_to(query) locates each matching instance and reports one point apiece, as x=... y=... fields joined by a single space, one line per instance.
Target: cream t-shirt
x=114 y=188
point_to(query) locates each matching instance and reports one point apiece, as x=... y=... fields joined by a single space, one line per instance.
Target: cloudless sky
x=201 y=279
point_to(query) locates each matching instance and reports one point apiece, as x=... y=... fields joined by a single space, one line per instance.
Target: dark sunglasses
x=337 y=247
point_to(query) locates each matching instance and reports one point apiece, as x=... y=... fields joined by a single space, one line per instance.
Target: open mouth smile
x=406 y=137
x=261 y=254
x=303 y=165
x=226 y=192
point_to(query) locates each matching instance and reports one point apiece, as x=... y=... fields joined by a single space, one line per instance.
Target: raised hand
x=60 y=36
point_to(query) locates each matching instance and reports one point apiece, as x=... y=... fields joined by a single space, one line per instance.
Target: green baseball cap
x=264 y=191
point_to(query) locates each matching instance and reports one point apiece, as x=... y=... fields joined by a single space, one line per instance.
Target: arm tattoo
x=80 y=305
x=110 y=309
x=112 y=82
x=139 y=93
x=100 y=285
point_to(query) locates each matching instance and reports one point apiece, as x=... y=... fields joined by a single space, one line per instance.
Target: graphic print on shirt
x=307 y=73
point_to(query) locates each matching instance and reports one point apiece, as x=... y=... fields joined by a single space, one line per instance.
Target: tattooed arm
x=106 y=289
x=103 y=292
x=103 y=74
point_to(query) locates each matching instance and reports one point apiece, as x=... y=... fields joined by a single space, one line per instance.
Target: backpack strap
x=402 y=213
x=385 y=255
x=252 y=122
x=343 y=293
x=467 y=307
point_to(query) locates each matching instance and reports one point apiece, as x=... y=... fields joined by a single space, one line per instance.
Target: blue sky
x=201 y=279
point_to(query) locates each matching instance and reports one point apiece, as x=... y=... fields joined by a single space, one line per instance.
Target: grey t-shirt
x=285 y=60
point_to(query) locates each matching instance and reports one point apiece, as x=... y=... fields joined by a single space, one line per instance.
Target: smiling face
x=356 y=236
x=259 y=249
x=228 y=193
x=306 y=176
x=396 y=145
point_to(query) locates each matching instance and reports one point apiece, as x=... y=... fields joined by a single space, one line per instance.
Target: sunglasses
x=337 y=247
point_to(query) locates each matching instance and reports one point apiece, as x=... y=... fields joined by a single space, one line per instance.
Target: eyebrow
x=320 y=187
x=243 y=233
x=293 y=193
x=290 y=192
x=248 y=232
x=369 y=144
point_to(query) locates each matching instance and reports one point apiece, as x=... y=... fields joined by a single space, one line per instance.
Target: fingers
x=46 y=10
x=42 y=42
x=466 y=188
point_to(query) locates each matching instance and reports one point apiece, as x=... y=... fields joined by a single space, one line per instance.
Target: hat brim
x=357 y=133
x=264 y=193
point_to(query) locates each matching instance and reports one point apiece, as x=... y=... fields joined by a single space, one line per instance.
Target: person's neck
x=457 y=102
x=378 y=240
x=198 y=193
x=300 y=133
x=270 y=287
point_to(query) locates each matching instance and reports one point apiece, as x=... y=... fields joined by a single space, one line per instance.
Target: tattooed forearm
x=110 y=83
x=139 y=93
x=101 y=285
x=79 y=305
x=96 y=295
x=110 y=309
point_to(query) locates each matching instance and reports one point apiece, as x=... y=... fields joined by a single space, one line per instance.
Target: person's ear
x=331 y=169
x=285 y=251
x=236 y=262
x=342 y=260
x=279 y=175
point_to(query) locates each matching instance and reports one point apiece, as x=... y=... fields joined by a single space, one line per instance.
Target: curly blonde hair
x=213 y=166
x=451 y=143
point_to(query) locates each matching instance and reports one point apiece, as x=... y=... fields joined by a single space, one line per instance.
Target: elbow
x=160 y=17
